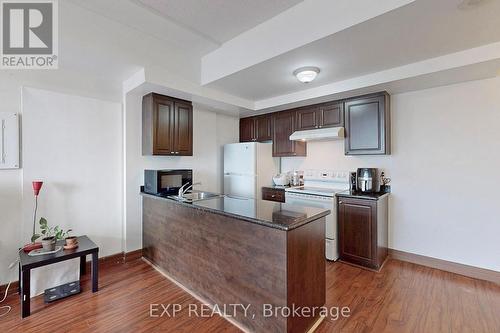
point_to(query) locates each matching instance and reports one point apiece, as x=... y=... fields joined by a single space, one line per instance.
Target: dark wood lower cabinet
x=225 y=260
x=273 y=194
x=363 y=230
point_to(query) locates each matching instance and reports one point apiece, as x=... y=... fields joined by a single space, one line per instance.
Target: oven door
x=318 y=201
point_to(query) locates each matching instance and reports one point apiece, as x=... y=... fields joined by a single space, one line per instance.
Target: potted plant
x=71 y=241
x=51 y=235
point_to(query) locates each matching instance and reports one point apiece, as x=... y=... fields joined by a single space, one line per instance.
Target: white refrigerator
x=247 y=168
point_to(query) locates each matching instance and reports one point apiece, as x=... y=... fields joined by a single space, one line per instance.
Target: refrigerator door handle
x=236 y=198
x=239 y=174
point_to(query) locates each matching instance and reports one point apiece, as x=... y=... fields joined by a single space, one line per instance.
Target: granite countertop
x=277 y=187
x=267 y=213
x=360 y=195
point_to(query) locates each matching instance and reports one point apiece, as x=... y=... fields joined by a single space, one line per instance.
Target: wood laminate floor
x=404 y=297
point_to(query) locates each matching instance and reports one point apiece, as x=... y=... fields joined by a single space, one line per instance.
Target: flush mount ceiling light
x=306 y=74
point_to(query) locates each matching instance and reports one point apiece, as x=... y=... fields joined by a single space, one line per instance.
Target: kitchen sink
x=196 y=196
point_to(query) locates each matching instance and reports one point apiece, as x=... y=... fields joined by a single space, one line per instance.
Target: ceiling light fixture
x=306 y=74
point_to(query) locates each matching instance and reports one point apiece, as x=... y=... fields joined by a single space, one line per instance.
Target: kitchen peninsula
x=227 y=251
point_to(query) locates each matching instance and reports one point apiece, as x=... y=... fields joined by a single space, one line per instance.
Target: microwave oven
x=166 y=182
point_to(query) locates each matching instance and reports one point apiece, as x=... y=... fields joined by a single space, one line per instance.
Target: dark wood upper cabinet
x=367 y=124
x=247 y=129
x=167 y=126
x=264 y=128
x=258 y=128
x=331 y=114
x=363 y=231
x=307 y=118
x=323 y=115
x=366 y=120
x=283 y=127
x=183 y=128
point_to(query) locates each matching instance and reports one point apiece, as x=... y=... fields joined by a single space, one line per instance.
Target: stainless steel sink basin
x=196 y=196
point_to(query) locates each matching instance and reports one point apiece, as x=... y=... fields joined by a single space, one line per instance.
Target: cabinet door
x=367 y=126
x=263 y=128
x=163 y=117
x=283 y=127
x=270 y=194
x=307 y=118
x=183 y=129
x=331 y=115
x=358 y=231
x=247 y=129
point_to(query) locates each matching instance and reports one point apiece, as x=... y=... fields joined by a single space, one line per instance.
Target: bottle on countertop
x=353 y=187
x=295 y=178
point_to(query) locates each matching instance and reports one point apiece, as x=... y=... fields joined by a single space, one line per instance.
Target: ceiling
x=253 y=46
x=218 y=20
x=421 y=30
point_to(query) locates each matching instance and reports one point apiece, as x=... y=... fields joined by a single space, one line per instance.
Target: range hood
x=332 y=133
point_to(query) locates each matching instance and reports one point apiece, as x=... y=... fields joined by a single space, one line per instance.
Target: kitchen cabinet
x=247 y=129
x=167 y=126
x=366 y=120
x=283 y=127
x=363 y=230
x=264 y=128
x=258 y=128
x=307 y=118
x=323 y=115
x=273 y=194
x=367 y=125
x=183 y=128
x=331 y=114
x=277 y=127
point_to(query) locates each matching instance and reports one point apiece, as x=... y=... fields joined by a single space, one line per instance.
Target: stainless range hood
x=320 y=134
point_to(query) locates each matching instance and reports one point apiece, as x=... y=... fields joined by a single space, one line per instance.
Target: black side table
x=27 y=263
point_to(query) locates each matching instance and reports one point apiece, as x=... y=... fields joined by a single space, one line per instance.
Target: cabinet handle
x=172 y=152
x=176 y=152
x=273 y=196
x=340 y=202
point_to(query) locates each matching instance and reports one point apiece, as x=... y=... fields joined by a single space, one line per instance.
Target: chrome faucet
x=183 y=190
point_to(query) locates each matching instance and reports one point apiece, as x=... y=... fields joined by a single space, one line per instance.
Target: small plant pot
x=49 y=243
x=71 y=241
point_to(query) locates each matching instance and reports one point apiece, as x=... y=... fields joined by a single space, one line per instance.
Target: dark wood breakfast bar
x=261 y=254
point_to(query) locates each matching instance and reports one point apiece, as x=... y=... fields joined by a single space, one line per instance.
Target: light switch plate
x=9 y=140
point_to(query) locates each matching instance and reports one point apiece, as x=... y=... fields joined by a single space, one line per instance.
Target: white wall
x=94 y=61
x=74 y=144
x=446 y=146
x=10 y=195
x=210 y=132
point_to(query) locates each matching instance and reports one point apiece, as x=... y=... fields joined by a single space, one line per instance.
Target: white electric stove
x=319 y=190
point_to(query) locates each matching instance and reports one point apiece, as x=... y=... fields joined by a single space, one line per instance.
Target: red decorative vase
x=37 y=186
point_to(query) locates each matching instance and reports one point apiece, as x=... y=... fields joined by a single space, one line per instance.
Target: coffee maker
x=367 y=180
